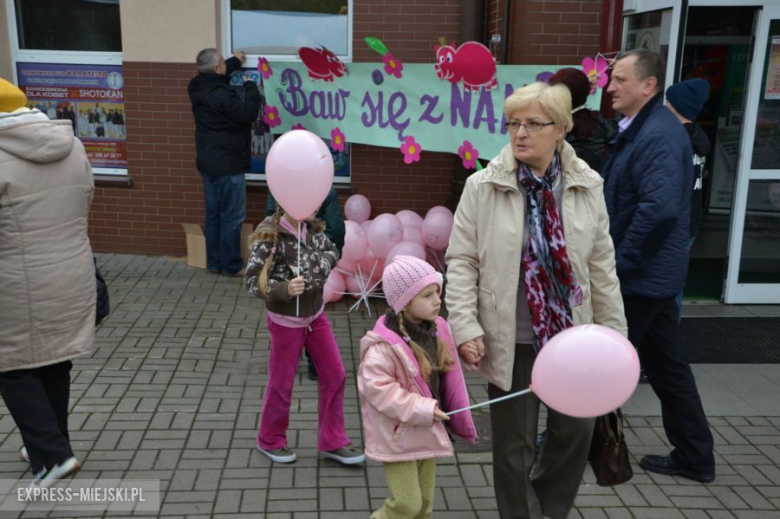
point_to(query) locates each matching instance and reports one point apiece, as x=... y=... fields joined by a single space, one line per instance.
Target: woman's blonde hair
x=555 y=101
x=444 y=360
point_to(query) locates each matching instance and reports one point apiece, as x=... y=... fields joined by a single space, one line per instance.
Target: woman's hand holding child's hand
x=439 y=415
x=472 y=351
x=295 y=287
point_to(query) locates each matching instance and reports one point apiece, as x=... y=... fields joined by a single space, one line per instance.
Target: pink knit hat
x=406 y=277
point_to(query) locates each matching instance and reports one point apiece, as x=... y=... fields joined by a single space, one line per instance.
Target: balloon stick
x=298 y=299
x=490 y=402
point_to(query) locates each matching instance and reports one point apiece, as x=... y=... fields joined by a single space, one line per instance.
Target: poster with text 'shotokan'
x=90 y=96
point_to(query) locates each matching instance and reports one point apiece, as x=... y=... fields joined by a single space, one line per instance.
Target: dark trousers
x=526 y=489
x=38 y=402
x=654 y=330
x=225 y=213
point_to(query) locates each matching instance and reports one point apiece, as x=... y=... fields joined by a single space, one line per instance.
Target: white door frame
x=736 y=292
x=631 y=7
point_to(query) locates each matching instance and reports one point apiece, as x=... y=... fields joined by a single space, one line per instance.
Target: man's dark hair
x=648 y=64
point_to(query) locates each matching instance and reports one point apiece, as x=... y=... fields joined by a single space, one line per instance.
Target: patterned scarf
x=550 y=283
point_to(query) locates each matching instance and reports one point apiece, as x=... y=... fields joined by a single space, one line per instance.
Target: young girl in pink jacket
x=409 y=378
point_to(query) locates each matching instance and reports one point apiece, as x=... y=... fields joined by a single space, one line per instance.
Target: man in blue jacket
x=223 y=121
x=648 y=182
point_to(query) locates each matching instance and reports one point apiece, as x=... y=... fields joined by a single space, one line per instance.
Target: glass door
x=754 y=243
x=653 y=25
x=717 y=45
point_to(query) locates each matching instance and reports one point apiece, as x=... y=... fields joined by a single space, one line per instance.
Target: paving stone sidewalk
x=174 y=390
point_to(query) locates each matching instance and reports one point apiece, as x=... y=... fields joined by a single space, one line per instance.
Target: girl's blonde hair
x=555 y=101
x=444 y=359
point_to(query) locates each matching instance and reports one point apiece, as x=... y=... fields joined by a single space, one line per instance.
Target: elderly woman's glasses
x=530 y=126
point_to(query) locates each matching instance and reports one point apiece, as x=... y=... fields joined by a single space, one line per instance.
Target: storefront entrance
x=736 y=255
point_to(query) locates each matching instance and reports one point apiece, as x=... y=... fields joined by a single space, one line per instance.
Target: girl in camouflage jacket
x=276 y=241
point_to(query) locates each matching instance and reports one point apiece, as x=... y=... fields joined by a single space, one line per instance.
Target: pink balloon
x=357 y=208
x=327 y=293
x=436 y=230
x=335 y=285
x=410 y=218
x=439 y=209
x=413 y=234
x=406 y=248
x=386 y=232
x=367 y=226
x=586 y=371
x=353 y=285
x=355 y=242
x=299 y=171
x=371 y=264
x=336 y=280
x=347 y=265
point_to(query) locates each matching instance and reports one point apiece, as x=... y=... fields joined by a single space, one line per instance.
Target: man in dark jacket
x=685 y=100
x=335 y=230
x=223 y=121
x=648 y=183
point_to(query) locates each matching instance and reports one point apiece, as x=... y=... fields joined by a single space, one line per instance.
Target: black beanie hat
x=688 y=97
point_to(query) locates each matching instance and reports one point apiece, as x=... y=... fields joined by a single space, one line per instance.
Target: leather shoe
x=666 y=465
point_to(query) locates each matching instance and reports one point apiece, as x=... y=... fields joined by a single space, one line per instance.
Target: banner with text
x=368 y=108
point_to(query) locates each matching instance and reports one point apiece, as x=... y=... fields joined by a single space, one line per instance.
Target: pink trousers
x=286 y=346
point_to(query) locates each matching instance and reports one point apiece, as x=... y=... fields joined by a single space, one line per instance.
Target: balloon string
x=298 y=299
x=490 y=402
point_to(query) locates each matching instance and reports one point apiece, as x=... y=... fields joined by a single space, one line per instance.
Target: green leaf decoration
x=479 y=166
x=377 y=45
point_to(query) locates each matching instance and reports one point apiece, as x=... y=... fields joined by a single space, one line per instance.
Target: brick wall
x=146 y=217
x=556 y=32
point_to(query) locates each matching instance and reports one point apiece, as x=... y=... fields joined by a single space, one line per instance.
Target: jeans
x=286 y=346
x=225 y=212
x=38 y=402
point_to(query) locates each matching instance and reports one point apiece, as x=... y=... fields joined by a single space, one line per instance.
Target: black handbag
x=609 y=456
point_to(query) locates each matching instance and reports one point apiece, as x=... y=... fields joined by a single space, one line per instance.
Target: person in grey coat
x=47 y=275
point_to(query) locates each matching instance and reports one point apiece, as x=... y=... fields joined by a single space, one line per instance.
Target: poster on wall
x=90 y=96
x=262 y=138
x=772 y=87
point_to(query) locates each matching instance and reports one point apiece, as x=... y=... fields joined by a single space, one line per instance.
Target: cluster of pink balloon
x=369 y=245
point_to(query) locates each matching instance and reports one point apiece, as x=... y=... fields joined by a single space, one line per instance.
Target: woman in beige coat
x=47 y=278
x=531 y=255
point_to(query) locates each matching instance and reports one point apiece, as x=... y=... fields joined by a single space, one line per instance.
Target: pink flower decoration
x=469 y=155
x=337 y=140
x=393 y=65
x=298 y=126
x=271 y=116
x=411 y=150
x=596 y=70
x=264 y=68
